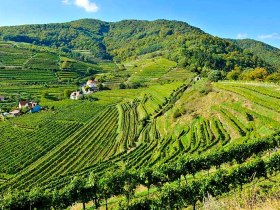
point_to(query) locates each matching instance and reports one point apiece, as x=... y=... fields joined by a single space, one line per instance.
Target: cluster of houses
x=90 y=87
x=33 y=107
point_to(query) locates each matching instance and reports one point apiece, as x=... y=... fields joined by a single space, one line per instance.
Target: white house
x=90 y=87
x=75 y=95
x=92 y=84
x=25 y=104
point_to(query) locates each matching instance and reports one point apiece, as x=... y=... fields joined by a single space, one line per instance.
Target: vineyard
x=133 y=115
x=151 y=137
x=168 y=139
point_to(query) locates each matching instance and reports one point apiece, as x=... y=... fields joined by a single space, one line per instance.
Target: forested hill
x=268 y=53
x=175 y=40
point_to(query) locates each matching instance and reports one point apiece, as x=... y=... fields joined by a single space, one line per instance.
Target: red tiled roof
x=23 y=103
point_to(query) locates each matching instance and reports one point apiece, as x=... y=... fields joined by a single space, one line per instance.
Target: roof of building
x=76 y=93
x=23 y=103
x=91 y=81
x=36 y=108
x=15 y=112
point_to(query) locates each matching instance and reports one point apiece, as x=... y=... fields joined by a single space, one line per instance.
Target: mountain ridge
x=176 y=40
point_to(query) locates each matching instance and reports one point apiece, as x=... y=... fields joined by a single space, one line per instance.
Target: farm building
x=92 y=83
x=35 y=109
x=15 y=113
x=76 y=95
x=90 y=87
x=2 y=98
x=26 y=104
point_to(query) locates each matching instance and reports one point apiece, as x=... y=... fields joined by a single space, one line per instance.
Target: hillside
x=175 y=40
x=268 y=53
x=148 y=128
x=168 y=127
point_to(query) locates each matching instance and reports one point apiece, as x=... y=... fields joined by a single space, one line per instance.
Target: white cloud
x=65 y=1
x=269 y=36
x=242 y=36
x=87 y=5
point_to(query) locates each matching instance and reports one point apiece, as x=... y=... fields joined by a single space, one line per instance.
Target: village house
x=36 y=109
x=90 y=87
x=92 y=84
x=26 y=104
x=76 y=95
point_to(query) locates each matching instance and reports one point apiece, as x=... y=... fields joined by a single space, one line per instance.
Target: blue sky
x=256 y=19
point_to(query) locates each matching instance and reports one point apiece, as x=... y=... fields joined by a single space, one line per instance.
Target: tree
x=94 y=188
x=215 y=76
x=67 y=93
x=65 y=64
x=151 y=176
x=171 y=196
x=122 y=86
x=254 y=74
x=234 y=74
x=16 y=200
x=259 y=74
x=40 y=199
x=131 y=180
x=90 y=71
x=275 y=77
x=106 y=190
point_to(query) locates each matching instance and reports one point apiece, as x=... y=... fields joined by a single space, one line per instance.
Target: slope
x=175 y=40
x=266 y=52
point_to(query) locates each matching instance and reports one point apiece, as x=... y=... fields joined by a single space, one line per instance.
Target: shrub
x=215 y=76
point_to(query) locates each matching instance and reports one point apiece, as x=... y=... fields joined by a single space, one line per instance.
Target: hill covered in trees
x=92 y=40
x=266 y=52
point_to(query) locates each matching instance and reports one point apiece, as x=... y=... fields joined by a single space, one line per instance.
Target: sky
x=255 y=19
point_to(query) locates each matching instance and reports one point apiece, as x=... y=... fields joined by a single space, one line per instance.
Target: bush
x=122 y=86
x=275 y=77
x=254 y=74
x=179 y=112
x=67 y=93
x=207 y=88
x=233 y=75
x=215 y=76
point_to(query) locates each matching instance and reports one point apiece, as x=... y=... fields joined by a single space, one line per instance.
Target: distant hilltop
x=127 y=39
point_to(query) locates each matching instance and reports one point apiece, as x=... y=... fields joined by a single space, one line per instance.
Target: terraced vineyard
x=98 y=138
x=11 y=55
x=149 y=70
x=25 y=76
x=160 y=132
x=65 y=76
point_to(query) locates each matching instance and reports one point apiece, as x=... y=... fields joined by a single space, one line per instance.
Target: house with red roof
x=25 y=104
